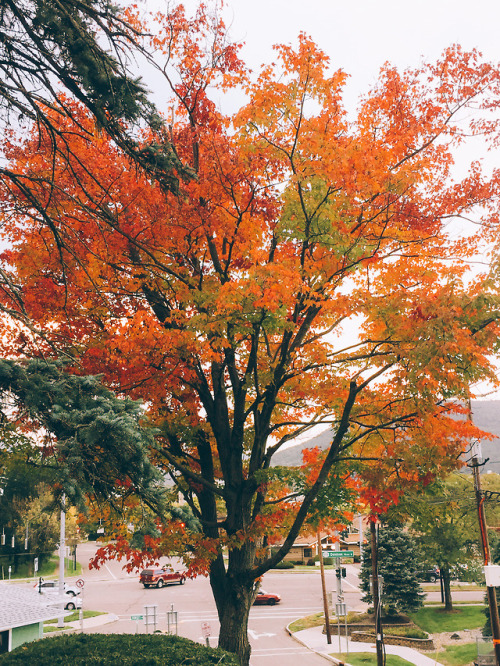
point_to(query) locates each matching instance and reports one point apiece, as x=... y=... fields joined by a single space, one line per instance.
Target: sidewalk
x=88 y=623
x=97 y=621
x=315 y=640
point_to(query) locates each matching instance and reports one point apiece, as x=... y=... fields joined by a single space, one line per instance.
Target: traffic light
x=340 y=572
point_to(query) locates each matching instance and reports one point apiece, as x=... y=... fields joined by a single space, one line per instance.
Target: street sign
x=206 y=631
x=338 y=553
x=137 y=617
x=80 y=583
x=340 y=609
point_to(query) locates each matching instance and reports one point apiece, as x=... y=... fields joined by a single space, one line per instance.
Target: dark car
x=430 y=575
x=266 y=598
x=161 y=577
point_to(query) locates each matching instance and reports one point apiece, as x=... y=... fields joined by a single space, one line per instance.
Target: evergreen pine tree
x=397 y=564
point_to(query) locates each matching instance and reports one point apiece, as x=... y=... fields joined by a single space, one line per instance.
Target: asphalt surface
x=191 y=606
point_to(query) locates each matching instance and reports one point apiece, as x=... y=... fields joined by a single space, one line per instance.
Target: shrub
x=112 y=649
x=407 y=632
x=284 y=565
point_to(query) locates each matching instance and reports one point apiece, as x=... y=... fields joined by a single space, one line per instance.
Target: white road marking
x=255 y=635
x=110 y=572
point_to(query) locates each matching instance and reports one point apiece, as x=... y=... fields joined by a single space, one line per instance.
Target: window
x=4 y=641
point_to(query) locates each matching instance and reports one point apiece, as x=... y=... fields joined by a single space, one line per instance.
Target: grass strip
x=76 y=616
x=307 y=622
x=456 y=655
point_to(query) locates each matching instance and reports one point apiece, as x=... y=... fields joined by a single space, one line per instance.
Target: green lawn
x=307 y=622
x=75 y=615
x=369 y=659
x=51 y=629
x=49 y=568
x=452 y=655
x=456 y=655
x=436 y=620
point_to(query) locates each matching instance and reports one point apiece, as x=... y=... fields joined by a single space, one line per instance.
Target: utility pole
x=485 y=546
x=377 y=606
x=323 y=587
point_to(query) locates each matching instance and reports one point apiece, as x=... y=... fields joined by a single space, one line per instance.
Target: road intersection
x=113 y=590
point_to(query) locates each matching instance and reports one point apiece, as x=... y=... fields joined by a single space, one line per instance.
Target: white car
x=53 y=598
x=52 y=585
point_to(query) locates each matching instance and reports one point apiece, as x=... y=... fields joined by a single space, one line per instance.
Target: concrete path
x=88 y=623
x=315 y=640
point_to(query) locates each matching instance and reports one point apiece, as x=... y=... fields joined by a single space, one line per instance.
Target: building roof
x=307 y=540
x=20 y=606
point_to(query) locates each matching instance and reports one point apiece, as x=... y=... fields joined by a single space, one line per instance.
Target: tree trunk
x=234 y=589
x=233 y=633
x=233 y=609
x=448 y=603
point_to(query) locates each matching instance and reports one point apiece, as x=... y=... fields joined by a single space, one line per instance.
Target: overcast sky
x=360 y=35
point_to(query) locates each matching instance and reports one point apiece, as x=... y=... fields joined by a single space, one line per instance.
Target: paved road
x=113 y=590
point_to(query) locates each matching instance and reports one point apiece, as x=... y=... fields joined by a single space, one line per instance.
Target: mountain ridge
x=485 y=414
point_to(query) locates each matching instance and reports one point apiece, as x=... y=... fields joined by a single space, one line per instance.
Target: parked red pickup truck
x=161 y=577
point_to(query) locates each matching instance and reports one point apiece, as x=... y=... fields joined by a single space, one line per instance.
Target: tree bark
x=233 y=586
x=448 y=602
x=233 y=606
x=233 y=633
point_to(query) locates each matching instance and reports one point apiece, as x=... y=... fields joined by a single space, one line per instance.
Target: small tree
x=397 y=564
x=444 y=518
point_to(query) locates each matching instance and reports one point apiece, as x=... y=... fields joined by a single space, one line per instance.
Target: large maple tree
x=302 y=272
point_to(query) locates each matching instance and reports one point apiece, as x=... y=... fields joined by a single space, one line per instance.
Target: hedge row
x=113 y=649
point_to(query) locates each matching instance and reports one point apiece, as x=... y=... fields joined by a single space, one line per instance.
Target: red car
x=161 y=577
x=266 y=598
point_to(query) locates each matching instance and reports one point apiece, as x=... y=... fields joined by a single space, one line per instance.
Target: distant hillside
x=486 y=415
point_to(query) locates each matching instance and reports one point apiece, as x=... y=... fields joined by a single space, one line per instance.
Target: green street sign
x=137 y=617
x=338 y=553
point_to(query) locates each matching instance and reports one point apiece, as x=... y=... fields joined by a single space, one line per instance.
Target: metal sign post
x=323 y=587
x=206 y=631
x=137 y=618
x=80 y=583
x=341 y=610
x=171 y=620
x=150 y=616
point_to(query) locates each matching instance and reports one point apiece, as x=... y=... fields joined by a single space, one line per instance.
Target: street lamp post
x=62 y=548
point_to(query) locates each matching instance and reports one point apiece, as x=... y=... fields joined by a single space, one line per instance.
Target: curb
x=97 y=621
x=332 y=660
